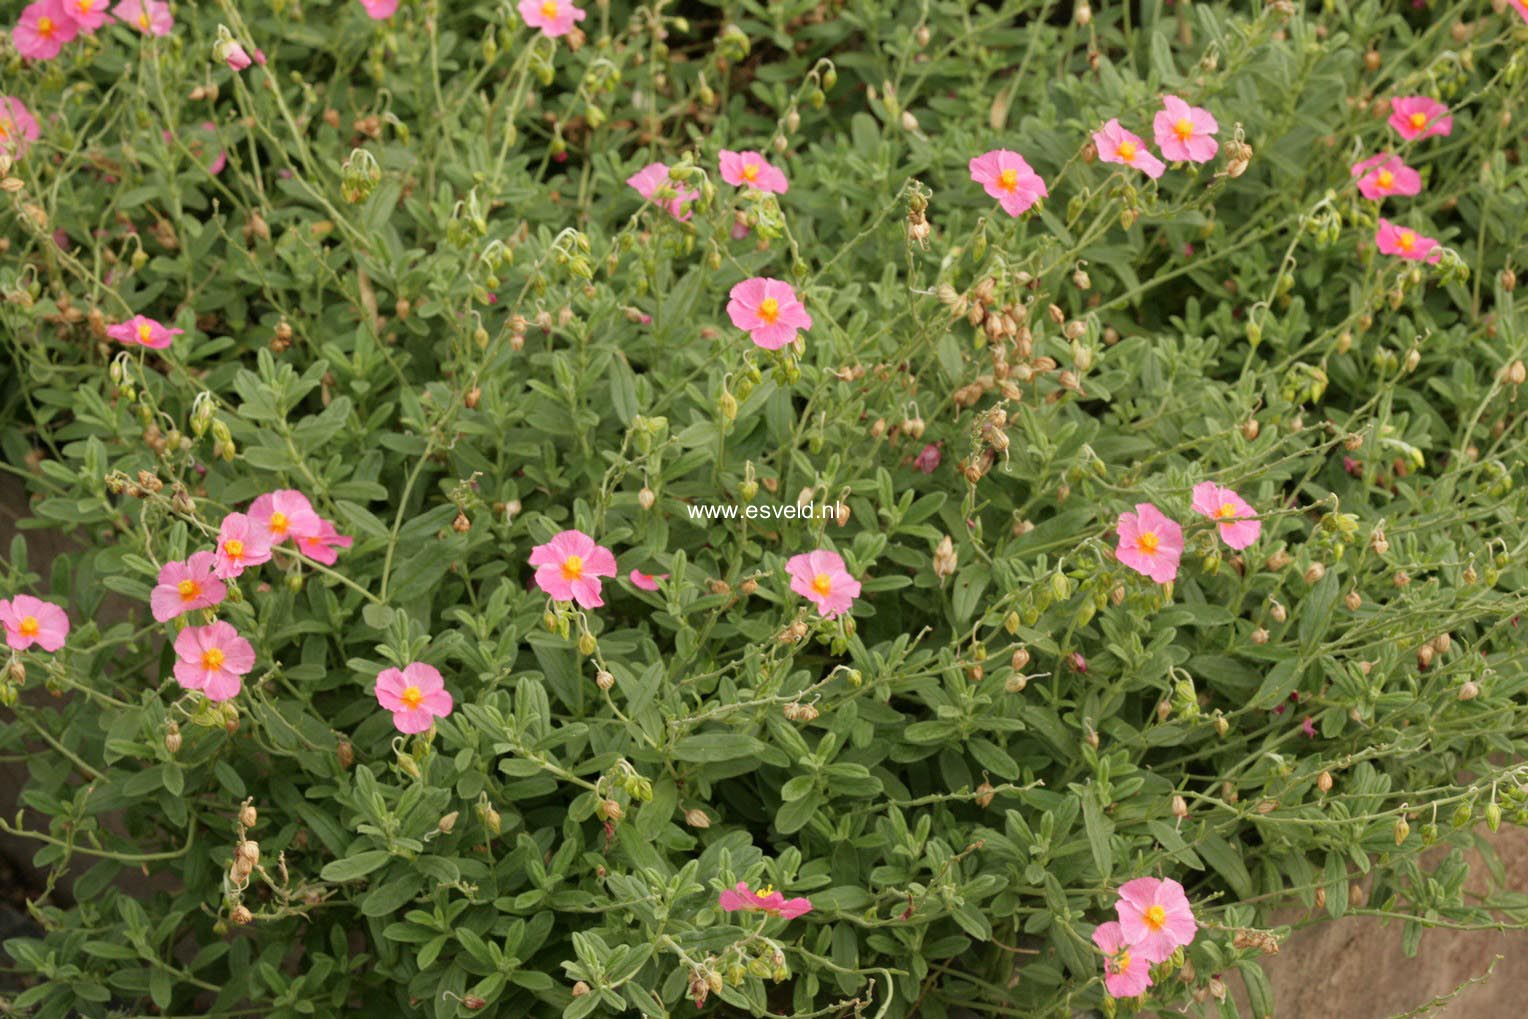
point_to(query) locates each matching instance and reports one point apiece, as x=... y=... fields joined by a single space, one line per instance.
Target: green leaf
x=357 y=866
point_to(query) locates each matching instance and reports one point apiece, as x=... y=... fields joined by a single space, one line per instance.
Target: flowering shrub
x=793 y=509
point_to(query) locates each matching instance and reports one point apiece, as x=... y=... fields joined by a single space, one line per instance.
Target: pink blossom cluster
x=1155 y=920
x=214 y=658
x=1385 y=174
x=46 y=25
x=1151 y=543
x=569 y=568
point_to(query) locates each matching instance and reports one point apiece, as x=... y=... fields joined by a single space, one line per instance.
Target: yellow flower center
x=769 y=310
x=212 y=658
x=1008 y=180
x=549 y=9
x=234 y=548
x=765 y=892
x=45 y=27
x=573 y=567
x=189 y=590
x=29 y=626
x=1126 y=151
x=1227 y=511
x=1155 y=917
x=143 y=19
x=1148 y=542
x=411 y=697
x=84 y=6
x=145 y=332
x=750 y=171
x=1418 y=120
x=279 y=523
x=822 y=584
x=5 y=129
x=1386 y=180
x=1122 y=962
x=1407 y=240
x=1184 y=129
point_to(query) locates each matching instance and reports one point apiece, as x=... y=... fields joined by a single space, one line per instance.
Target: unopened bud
x=446 y=823
x=1324 y=781
x=241 y=915
x=1314 y=573
x=172 y=738
x=1402 y=829
x=1179 y=807
x=1468 y=690
x=697 y=819
x=248 y=816
x=984 y=794
x=1354 y=601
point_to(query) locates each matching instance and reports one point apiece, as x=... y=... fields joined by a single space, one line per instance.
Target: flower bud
x=1354 y=601
x=1324 y=781
x=611 y=811
x=604 y=680
x=586 y=644
x=1469 y=690
x=172 y=738
x=1277 y=611
x=241 y=915
x=1179 y=807
x=945 y=558
x=446 y=823
x=580 y=989
x=345 y=753
x=248 y=816
x=984 y=794
x=1402 y=829
x=697 y=818
x=1259 y=636
x=250 y=851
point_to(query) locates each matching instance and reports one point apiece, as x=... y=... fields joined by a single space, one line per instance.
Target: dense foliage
x=414 y=284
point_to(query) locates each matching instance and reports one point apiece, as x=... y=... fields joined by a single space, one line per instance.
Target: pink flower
x=768 y=310
x=18 y=128
x=652 y=182
x=416 y=696
x=284 y=514
x=235 y=56
x=380 y=9
x=242 y=543
x=142 y=331
x=820 y=577
x=1007 y=177
x=87 y=15
x=1149 y=543
x=1126 y=972
x=1237 y=521
x=766 y=900
x=569 y=566
x=186 y=586
x=1405 y=242
x=1384 y=174
x=1183 y=132
x=749 y=169
x=928 y=458
x=321 y=544
x=29 y=621
x=646 y=581
x=1155 y=917
x=1308 y=727
x=151 y=17
x=43 y=29
x=554 y=17
x=1116 y=145
x=1416 y=117
x=212 y=660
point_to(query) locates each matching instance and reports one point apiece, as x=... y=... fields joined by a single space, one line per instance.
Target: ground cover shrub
x=910 y=550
